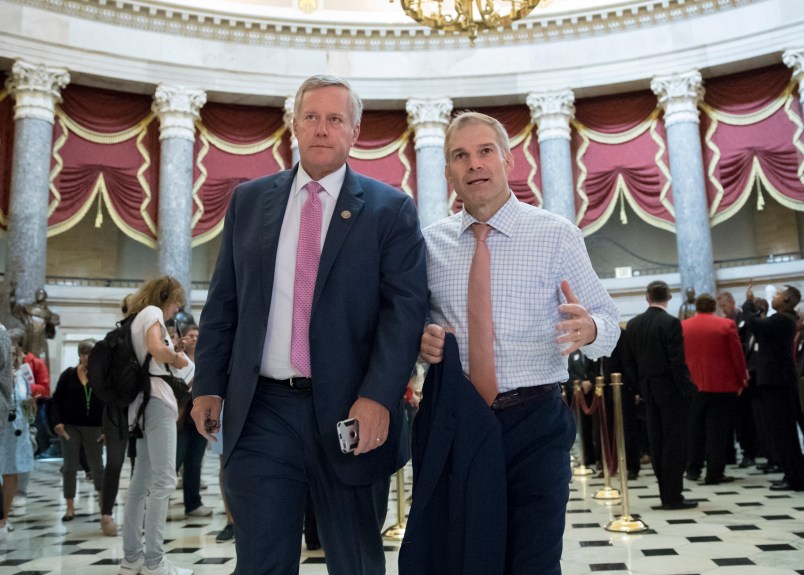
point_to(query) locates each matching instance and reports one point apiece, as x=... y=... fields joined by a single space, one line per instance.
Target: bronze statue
x=687 y=309
x=38 y=322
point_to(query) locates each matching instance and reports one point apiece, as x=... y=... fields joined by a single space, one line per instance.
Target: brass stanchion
x=582 y=470
x=396 y=532
x=607 y=493
x=625 y=523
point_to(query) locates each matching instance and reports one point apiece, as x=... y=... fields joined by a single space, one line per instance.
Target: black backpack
x=113 y=371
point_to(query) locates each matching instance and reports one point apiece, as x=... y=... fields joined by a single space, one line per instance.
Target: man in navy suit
x=366 y=314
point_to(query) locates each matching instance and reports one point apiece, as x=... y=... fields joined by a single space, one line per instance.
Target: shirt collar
x=503 y=220
x=332 y=183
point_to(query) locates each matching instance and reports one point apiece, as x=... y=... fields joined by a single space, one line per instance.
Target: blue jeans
x=152 y=483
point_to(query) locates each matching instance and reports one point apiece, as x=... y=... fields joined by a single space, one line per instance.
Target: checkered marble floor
x=740 y=528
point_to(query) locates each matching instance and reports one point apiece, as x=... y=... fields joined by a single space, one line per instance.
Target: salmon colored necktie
x=481 y=331
x=308 y=253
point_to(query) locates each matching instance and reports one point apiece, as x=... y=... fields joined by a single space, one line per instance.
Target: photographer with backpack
x=152 y=418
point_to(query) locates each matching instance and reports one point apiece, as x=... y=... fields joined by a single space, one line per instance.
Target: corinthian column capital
x=177 y=109
x=36 y=89
x=552 y=112
x=429 y=119
x=679 y=96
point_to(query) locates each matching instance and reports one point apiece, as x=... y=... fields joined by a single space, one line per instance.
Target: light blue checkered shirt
x=532 y=250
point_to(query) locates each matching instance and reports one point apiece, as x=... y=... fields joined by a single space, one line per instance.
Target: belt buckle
x=292 y=382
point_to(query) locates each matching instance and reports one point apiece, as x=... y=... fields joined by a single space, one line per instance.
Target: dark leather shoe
x=785 y=486
x=718 y=480
x=747 y=462
x=683 y=504
x=633 y=475
x=692 y=476
x=771 y=469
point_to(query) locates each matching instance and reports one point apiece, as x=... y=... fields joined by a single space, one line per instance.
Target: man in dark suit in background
x=776 y=381
x=655 y=353
x=289 y=374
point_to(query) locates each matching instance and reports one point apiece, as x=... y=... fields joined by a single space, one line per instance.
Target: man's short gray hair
x=324 y=81
x=469 y=118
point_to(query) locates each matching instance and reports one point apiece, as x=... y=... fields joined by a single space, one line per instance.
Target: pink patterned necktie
x=307 y=255
x=481 y=331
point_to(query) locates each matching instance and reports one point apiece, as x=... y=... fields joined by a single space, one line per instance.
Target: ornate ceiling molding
x=220 y=26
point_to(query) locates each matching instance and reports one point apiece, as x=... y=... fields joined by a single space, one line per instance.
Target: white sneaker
x=200 y=511
x=3 y=533
x=9 y=526
x=167 y=568
x=20 y=501
x=128 y=568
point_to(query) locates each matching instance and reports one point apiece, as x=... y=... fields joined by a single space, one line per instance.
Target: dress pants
x=71 y=448
x=190 y=448
x=537 y=438
x=711 y=420
x=115 y=437
x=779 y=406
x=278 y=458
x=668 y=424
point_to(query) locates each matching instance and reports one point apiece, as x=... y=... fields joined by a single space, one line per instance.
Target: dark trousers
x=537 y=438
x=779 y=407
x=278 y=458
x=190 y=447
x=115 y=437
x=745 y=426
x=711 y=418
x=667 y=430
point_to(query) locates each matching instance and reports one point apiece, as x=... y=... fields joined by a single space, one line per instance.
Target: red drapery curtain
x=620 y=155
x=233 y=144
x=525 y=180
x=751 y=127
x=105 y=149
x=6 y=149
x=385 y=149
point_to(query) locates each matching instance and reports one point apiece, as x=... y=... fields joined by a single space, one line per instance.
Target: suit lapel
x=275 y=202
x=347 y=210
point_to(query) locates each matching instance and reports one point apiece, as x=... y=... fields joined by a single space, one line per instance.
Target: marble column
x=290 y=109
x=429 y=119
x=552 y=112
x=36 y=89
x=679 y=95
x=794 y=59
x=177 y=109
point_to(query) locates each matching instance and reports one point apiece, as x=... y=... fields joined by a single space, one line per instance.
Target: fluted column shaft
x=679 y=96
x=177 y=109
x=429 y=119
x=36 y=90
x=552 y=112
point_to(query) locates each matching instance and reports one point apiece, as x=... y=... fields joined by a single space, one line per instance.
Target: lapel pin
x=346 y=214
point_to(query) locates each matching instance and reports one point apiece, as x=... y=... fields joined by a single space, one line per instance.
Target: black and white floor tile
x=739 y=528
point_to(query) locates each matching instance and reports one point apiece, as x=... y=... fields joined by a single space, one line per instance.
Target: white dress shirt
x=276 y=351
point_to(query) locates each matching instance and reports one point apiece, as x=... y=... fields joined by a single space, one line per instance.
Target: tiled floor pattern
x=740 y=528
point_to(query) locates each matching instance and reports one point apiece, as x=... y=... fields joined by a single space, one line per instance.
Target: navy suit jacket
x=457 y=522
x=369 y=308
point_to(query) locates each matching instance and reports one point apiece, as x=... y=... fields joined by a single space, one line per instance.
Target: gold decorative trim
x=3 y=94
x=54 y=173
x=202 y=178
x=534 y=167
x=71 y=222
x=583 y=172
x=146 y=188
x=377 y=153
x=403 y=159
x=710 y=169
x=622 y=137
x=119 y=222
x=241 y=149
x=280 y=161
x=663 y=168
x=101 y=137
x=753 y=117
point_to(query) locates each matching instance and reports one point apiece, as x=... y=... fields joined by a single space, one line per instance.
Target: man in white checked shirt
x=540 y=273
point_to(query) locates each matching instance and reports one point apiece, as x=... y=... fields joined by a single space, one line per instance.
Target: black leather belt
x=522 y=395
x=297 y=383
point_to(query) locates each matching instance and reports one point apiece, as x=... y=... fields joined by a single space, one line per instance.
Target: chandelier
x=467 y=16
